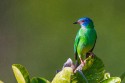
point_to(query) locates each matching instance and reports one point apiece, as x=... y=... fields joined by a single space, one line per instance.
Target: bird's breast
x=89 y=38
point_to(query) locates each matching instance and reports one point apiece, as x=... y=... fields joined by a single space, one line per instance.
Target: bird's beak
x=75 y=23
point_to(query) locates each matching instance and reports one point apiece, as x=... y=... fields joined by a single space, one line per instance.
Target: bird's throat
x=83 y=27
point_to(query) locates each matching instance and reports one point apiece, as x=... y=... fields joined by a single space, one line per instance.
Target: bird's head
x=86 y=22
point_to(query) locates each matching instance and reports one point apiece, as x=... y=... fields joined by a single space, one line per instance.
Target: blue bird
x=85 y=39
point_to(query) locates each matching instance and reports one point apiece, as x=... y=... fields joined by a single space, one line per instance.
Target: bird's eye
x=82 y=20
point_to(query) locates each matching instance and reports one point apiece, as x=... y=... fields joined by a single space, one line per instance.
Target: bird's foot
x=90 y=54
x=80 y=67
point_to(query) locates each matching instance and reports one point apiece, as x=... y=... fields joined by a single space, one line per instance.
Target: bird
x=85 y=39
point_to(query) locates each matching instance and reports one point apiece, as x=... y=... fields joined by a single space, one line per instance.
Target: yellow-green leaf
x=1 y=81
x=63 y=76
x=39 y=80
x=20 y=73
x=112 y=80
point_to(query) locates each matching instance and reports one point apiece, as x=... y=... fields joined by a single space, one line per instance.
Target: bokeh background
x=39 y=34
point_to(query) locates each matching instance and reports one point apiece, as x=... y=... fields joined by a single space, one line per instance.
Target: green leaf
x=112 y=80
x=89 y=63
x=21 y=73
x=63 y=76
x=78 y=77
x=106 y=76
x=39 y=80
x=94 y=69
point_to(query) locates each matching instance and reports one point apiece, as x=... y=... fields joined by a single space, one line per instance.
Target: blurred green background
x=39 y=34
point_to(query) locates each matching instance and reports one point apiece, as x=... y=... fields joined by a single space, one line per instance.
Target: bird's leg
x=82 y=61
x=80 y=66
x=90 y=54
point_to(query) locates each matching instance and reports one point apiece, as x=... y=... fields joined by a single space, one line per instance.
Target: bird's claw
x=80 y=67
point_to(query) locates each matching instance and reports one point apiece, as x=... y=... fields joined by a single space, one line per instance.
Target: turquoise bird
x=85 y=39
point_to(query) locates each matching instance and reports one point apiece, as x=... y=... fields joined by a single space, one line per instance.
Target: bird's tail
x=77 y=60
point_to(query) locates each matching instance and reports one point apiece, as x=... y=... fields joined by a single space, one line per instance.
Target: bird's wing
x=94 y=43
x=93 y=46
x=80 y=43
x=77 y=39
